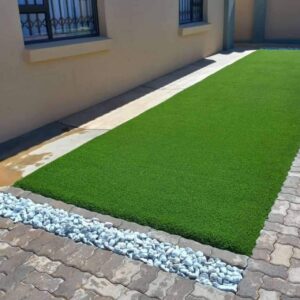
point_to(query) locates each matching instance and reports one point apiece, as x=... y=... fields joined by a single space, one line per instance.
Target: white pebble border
x=139 y=246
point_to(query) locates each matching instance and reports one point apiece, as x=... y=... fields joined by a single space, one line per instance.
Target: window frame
x=191 y=20
x=45 y=9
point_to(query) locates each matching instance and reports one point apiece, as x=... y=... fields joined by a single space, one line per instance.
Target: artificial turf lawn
x=207 y=164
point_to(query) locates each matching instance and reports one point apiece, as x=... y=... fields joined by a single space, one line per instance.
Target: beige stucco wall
x=283 y=19
x=244 y=18
x=145 y=44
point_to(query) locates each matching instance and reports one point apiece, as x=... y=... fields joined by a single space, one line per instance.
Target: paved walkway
x=44 y=266
x=95 y=272
x=70 y=133
x=273 y=272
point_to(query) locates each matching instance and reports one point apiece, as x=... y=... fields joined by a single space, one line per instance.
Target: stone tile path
x=273 y=271
x=95 y=121
x=60 y=268
x=44 y=266
x=41 y=265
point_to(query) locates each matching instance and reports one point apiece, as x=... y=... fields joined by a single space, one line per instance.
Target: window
x=190 y=11
x=50 y=20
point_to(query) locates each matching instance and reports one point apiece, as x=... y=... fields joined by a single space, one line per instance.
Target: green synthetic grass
x=207 y=164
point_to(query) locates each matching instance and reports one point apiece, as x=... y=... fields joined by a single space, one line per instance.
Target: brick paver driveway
x=35 y=264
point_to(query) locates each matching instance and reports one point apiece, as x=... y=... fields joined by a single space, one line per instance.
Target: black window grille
x=49 y=20
x=190 y=11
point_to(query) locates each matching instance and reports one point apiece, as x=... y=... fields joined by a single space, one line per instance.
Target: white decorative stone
x=168 y=257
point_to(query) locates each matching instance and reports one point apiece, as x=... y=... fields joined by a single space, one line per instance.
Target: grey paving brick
x=52 y=202
x=250 y=284
x=82 y=294
x=266 y=240
x=53 y=247
x=291 y=191
x=292 y=218
x=2 y=295
x=21 y=235
x=3 y=233
x=164 y=236
x=294 y=206
x=282 y=286
x=6 y=223
x=295 y=169
x=43 y=281
x=36 y=294
x=295 y=263
x=36 y=245
x=132 y=226
x=104 y=288
x=19 y=292
x=83 y=212
x=281 y=228
x=204 y=292
x=61 y=205
x=73 y=280
x=105 y=218
x=280 y=207
x=284 y=297
x=294 y=274
x=296 y=253
x=143 y=278
x=80 y=256
x=290 y=198
x=42 y=264
x=180 y=289
x=17 y=259
x=109 y=268
x=262 y=254
x=282 y=254
x=122 y=271
x=8 y=251
x=275 y=218
x=159 y=287
x=289 y=240
x=24 y=194
x=67 y=250
x=95 y=263
x=268 y=295
x=133 y=295
x=267 y=268
x=292 y=181
x=230 y=258
x=185 y=243
x=14 y=278
x=14 y=191
x=40 y=199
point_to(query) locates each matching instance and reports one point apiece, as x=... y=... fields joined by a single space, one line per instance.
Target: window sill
x=62 y=49
x=194 y=28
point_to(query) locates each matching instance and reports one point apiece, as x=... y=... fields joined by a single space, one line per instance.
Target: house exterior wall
x=262 y=21
x=282 y=20
x=244 y=20
x=144 y=44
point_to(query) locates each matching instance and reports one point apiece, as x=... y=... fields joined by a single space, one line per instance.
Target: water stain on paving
x=13 y=168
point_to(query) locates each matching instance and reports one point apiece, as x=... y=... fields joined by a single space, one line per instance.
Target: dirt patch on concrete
x=13 y=168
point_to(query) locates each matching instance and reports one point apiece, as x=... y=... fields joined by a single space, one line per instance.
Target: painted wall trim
x=260 y=10
x=229 y=24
